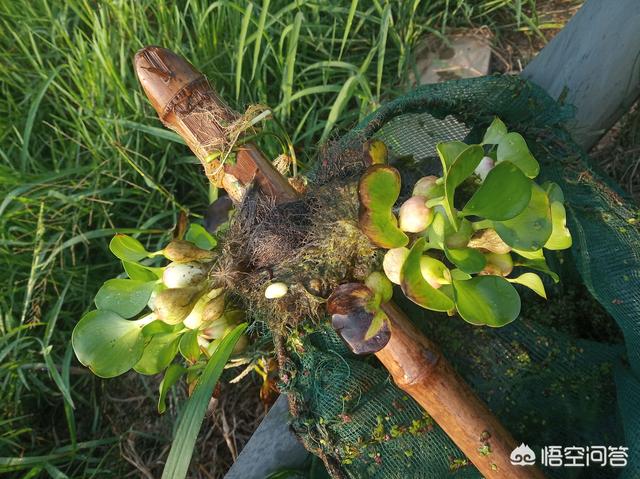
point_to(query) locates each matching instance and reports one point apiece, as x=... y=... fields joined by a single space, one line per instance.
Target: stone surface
x=463 y=56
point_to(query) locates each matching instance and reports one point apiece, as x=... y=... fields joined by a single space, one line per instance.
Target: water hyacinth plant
x=144 y=321
x=454 y=244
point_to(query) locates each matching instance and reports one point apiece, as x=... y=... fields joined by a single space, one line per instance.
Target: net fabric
x=546 y=386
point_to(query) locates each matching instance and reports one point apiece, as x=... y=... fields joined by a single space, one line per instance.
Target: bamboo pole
x=186 y=104
x=419 y=369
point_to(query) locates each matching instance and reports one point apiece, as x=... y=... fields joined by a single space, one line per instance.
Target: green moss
x=457 y=463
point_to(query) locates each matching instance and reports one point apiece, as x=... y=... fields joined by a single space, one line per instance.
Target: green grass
x=82 y=155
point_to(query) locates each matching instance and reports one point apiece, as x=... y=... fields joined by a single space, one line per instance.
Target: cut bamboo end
x=186 y=103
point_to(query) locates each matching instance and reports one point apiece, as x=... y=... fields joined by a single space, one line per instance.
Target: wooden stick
x=186 y=104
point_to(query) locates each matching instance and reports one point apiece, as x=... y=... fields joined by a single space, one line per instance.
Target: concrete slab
x=272 y=447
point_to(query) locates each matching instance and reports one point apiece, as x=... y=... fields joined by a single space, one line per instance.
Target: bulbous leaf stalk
x=182 y=275
x=181 y=251
x=415 y=216
x=173 y=305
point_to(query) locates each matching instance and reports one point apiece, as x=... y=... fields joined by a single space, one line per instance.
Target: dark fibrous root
x=312 y=245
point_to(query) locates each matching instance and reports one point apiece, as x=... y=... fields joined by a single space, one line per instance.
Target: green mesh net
x=562 y=374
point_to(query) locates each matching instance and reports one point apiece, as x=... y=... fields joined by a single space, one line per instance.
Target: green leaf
x=487 y=300
x=189 y=347
x=560 y=236
x=554 y=192
x=495 y=132
x=200 y=237
x=171 y=376
x=127 y=248
x=141 y=272
x=191 y=420
x=504 y=194
x=127 y=297
x=539 y=265
x=107 y=344
x=537 y=254
x=459 y=275
x=513 y=148
x=416 y=288
x=439 y=229
x=531 y=281
x=379 y=318
x=448 y=152
x=158 y=353
x=378 y=191
x=160 y=327
x=380 y=285
x=468 y=260
x=460 y=170
x=530 y=230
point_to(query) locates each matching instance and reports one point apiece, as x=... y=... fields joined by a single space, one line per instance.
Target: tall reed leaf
x=382 y=46
x=243 y=37
x=191 y=421
x=347 y=28
x=346 y=92
x=31 y=117
x=260 y=32
x=287 y=81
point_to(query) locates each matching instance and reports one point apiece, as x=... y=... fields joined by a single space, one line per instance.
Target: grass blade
x=347 y=28
x=314 y=90
x=260 y=32
x=9 y=464
x=150 y=130
x=292 y=49
x=52 y=316
x=382 y=46
x=68 y=407
x=331 y=65
x=89 y=235
x=31 y=117
x=246 y=18
x=54 y=472
x=191 y=421
x=346 y=92
x=518 y=12
x=55 y=375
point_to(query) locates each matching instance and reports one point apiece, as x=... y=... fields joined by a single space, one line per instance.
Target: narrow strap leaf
x=182 y=446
